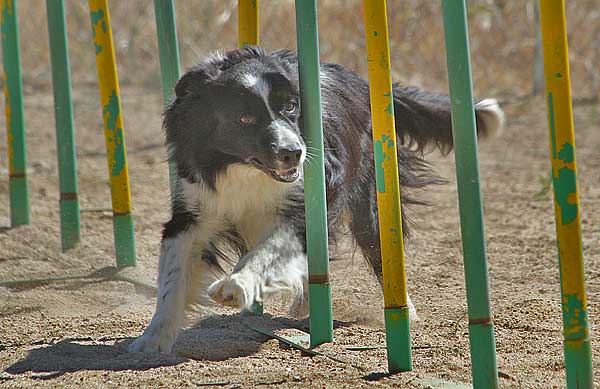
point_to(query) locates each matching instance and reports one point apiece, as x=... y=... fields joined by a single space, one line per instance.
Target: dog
x=234 y=131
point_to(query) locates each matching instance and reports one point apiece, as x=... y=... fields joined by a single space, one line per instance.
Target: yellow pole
x=388 y=187
x=248 y=34
x=113 y=130
x=566 y=199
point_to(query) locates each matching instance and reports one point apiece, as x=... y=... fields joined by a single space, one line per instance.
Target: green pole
x=319 y=288
x=65 y=136
x=481 y=328
x=13 y=92
x=168 y=50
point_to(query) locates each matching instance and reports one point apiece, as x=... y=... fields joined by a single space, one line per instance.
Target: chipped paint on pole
x=114 y=134
x=577 y=349
x=388 y=188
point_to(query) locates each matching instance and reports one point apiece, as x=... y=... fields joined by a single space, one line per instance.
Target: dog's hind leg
x=276 y=263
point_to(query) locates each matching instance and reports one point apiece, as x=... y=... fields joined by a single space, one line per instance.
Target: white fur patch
x=276 y=264
x=412 y=312
x=492 y=115
x=324 y=78
x=244 y=196
x=173 y=272
x=236 y=290
x=249 y=80
x=214 y=57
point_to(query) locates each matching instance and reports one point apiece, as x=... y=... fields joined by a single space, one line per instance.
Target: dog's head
x=238 y=107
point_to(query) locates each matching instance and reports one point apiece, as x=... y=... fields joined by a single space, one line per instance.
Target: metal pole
x=115 y=136
x=248 y=30
x=168 y=50
x=15 y=127
x=481 y=327
x=319 y=288
x=577 y=351
x=397 y=322
x=248 y=36
x=65 y=136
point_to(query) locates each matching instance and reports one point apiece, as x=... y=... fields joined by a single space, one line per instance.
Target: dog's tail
x=423 y=118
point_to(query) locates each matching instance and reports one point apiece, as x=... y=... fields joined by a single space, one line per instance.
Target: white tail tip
x=489 y=111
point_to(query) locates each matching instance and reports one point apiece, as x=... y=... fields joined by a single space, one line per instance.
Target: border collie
x=234 y=131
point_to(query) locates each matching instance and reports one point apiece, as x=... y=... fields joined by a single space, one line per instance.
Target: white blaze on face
x=286 y=136
x=249 y=80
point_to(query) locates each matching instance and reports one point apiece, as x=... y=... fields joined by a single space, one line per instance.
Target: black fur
x=180 y=221
x=199 y=127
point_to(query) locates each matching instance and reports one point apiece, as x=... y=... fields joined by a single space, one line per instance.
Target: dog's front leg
x=173 y=272
x=277 y=263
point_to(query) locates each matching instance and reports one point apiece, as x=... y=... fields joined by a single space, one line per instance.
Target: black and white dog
x=235 y=132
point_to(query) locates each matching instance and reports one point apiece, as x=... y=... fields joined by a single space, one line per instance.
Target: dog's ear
x=236 y=56
x=182 y=86
x=214 y=64
x=193 y=79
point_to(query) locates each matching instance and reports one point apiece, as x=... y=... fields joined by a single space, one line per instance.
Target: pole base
x=69 y=224
x=397 y=339
x=321 y=322
x=124 y=240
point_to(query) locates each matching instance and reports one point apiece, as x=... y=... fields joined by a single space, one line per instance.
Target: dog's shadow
x=215 y=338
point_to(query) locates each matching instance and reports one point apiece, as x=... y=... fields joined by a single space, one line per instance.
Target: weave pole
x=481 y=327
x=20 y=213
x=397 y=321
x=115 y=137
x=319 y=288
x=170 y=68
x=248 y=30
x=65 y=135
x=248 y=35
x=577 y=351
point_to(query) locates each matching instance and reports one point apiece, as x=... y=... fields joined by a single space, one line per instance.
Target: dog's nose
x=290 y=157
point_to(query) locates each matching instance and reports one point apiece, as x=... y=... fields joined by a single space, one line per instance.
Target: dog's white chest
x=244 y=197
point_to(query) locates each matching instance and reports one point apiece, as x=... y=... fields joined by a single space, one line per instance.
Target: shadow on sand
x=215 y=338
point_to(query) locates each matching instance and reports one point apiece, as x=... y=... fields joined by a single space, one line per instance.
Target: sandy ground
x=75 y=332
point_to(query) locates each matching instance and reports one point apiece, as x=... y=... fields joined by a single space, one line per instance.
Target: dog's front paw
x=236 y=290
x=153 y=342
x=299 y=307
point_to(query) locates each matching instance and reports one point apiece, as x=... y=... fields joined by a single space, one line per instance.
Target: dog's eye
x=247 y=119
x=290 y=106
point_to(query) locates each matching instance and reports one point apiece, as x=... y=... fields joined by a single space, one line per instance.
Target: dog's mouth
x=281 y=175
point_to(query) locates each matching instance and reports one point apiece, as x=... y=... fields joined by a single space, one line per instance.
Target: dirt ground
x=75 y=332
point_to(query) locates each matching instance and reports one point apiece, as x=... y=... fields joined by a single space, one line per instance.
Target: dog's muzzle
x=285 y=154
x=288 y=165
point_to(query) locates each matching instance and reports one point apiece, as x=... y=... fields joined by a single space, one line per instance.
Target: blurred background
x=502 y=33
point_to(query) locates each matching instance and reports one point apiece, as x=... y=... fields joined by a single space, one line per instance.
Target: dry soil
x=75 y=332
